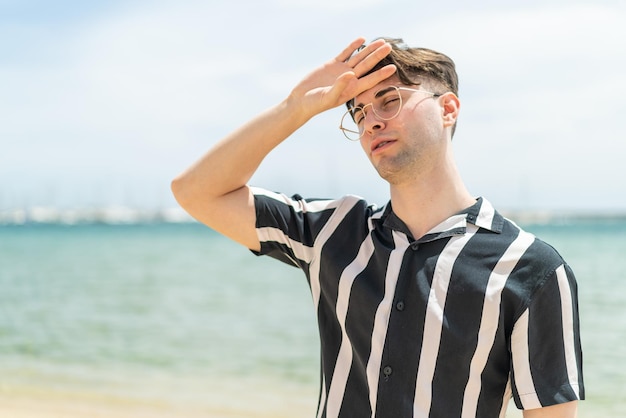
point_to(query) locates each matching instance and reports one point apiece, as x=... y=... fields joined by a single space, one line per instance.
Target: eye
x=389 y=101
x=358 y=115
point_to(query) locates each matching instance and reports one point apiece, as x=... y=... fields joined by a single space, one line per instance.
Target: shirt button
x=400 y=305
x=387 y=370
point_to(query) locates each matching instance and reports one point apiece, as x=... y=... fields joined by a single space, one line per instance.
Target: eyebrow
x=378 y=94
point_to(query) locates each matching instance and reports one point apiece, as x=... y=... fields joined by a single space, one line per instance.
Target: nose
x=372 y=123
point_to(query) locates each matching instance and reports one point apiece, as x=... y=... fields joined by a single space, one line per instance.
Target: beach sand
x=48 y=407
x=56 y=406
x=50 y=403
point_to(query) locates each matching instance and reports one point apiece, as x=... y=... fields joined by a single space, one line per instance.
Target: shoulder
x=538 y=266
x=529 y=260
x=537 y=253
x=502 y=242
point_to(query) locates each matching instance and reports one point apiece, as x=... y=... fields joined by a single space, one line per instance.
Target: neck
x=428 y=200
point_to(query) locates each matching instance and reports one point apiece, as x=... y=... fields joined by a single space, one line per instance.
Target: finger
x=343 y=87
x=347 y=53
x=370 y=60
x=364 y=53
x=372 y=79
x=347 y=85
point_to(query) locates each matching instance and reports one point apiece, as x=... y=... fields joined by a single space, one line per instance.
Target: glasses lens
x=387 y=103
x=349 y=128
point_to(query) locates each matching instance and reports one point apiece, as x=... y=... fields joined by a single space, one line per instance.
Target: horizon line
x=114 y=215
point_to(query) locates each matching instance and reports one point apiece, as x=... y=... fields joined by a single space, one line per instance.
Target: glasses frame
x=346 y=131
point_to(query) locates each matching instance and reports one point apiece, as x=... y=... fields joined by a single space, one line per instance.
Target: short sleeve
x=288 y=227
x=546 y=347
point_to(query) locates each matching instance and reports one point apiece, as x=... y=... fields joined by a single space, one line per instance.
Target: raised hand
x=343 y=77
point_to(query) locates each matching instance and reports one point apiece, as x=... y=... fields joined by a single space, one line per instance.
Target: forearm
x=564 y=410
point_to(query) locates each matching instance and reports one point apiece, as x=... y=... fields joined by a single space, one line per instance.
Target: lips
x=380 y=143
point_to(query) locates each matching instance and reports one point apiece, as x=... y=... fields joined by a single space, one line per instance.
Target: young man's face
x=400 y=146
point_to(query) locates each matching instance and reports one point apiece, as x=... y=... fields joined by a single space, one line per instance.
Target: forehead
x=368 y=95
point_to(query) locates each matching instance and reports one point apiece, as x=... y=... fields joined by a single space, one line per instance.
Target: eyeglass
x=386 y=106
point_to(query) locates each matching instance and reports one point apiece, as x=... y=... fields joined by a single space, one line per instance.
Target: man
x=432 y=306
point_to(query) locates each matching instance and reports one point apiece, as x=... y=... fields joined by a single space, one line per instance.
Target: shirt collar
x=482 y=214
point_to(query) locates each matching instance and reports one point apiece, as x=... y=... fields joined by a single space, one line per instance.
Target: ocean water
x=176 y=314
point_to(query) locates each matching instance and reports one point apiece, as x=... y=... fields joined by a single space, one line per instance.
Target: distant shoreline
x=556 y=217
x=110 y=216
x=118 y=215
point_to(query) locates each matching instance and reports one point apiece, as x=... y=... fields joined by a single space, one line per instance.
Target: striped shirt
x=453 y=324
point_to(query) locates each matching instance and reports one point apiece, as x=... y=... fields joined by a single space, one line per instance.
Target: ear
x=450 y=105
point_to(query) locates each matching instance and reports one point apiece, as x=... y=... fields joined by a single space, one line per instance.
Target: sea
x=171 y=313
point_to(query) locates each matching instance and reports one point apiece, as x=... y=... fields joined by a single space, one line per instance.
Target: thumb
x=344 y=87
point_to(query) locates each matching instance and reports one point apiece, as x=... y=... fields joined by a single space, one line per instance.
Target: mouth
x=377 y=145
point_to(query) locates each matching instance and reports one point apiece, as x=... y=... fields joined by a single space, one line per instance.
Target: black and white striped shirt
x=450 y=325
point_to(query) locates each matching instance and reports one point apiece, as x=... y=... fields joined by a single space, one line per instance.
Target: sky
x=103 y=103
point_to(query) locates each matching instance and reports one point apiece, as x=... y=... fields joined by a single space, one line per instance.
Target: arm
x=214 y=189
x=564 y=410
